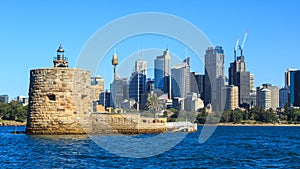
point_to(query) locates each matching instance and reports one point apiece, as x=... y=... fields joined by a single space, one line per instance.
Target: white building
x=265 y=99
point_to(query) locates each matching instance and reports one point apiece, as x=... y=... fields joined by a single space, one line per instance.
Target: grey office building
x=104 y=98
x=214 y=76
x=238 y=76
x=119 y=92
x=181 y=80
x=197 y=84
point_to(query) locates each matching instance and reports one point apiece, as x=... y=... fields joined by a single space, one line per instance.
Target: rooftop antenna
x=236 y=48
x=244 y=41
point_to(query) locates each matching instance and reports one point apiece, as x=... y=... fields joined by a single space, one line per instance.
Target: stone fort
x=61 y=102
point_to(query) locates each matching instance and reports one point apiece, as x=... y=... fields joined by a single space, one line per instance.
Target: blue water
x=229 y=147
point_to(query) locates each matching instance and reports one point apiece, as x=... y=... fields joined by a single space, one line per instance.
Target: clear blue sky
x=31 y=31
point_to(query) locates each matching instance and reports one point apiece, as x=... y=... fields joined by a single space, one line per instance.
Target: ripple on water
x=229 y=147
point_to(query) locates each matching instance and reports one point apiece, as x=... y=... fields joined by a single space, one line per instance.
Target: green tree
x=237 y=116
x=201 y=117
x=226 y=117
x=154 y=104
x=13 y=111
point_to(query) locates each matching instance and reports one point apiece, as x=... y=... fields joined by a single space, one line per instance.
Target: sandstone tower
x=59 y=99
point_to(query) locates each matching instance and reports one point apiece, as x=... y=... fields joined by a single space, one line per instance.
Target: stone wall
x=125 y=124
x=59 y=101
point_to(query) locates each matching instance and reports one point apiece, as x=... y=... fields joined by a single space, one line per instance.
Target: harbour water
x=229 y=147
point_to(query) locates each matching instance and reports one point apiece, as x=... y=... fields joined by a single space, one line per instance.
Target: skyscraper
x=214 y=76
x=137 y=86
x=295 y=88
x=141 y=66
x=283 y=97
x=238 y=76
x=161 y=69
x=197 y=84
x=119 y=92
x=181 y=79
x=288 y=77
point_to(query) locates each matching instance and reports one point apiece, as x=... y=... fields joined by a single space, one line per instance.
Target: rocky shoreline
x=12 y=123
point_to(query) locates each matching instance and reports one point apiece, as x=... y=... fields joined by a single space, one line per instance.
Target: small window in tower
x=51 y=97
x=83 y=96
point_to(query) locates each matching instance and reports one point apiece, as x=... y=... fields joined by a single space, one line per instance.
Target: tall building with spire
x=214 y=76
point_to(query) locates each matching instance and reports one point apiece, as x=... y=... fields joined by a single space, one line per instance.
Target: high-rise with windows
x=214 y=76
x=274 y=96
x=238 y=76
x=181 y=80
x=161 y=69
x=294 y=87
x=137 y=82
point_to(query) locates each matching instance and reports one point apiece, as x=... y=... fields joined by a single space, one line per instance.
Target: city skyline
x=30 y=35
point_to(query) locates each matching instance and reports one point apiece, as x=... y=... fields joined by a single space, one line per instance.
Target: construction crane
x=236 y=48
x=244 y=41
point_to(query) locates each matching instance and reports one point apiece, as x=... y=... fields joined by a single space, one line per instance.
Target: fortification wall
x=125 y=124
x=59 y=101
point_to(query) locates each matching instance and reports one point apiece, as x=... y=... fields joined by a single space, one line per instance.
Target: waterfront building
x=230 y=97
x=265 y=99
x=193 y=103
x=214 y=76
x=274 y=94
